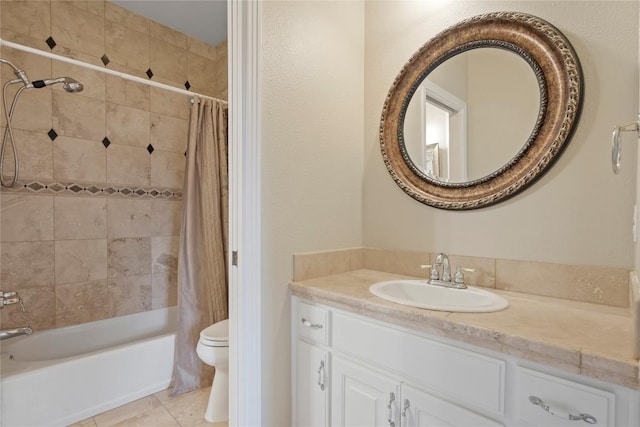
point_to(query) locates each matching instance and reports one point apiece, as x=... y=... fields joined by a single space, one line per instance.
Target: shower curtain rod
x=104 y=70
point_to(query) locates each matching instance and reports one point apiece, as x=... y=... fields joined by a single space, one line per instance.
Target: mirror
x=481 y=111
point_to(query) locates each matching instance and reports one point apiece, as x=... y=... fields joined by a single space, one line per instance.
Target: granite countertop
x=583 y=338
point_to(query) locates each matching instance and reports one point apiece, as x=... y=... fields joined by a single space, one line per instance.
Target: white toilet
x=213 y=349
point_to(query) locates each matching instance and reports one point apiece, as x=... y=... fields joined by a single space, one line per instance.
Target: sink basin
x=417 y=293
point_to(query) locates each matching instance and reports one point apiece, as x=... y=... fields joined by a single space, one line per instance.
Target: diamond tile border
x=66 y=188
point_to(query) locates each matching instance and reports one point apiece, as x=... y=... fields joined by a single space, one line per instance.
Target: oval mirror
x=481 y=111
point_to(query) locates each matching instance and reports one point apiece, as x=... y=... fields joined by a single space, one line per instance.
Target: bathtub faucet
x=7 y=298
x=10 y=333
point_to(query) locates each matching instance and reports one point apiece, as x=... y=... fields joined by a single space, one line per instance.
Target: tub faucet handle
x=7 y=298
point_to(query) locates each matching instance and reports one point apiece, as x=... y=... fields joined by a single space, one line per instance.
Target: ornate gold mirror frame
x=559 y=75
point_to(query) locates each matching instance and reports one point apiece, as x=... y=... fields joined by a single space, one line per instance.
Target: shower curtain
x=202 y=268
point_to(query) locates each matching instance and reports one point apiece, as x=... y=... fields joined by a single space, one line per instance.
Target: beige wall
x=311 y=159
x=579 y=212
x=100 y=240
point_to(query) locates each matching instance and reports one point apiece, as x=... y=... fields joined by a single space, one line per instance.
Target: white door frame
x=245 y=350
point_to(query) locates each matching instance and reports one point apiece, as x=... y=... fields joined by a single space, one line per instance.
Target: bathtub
x=61 y=376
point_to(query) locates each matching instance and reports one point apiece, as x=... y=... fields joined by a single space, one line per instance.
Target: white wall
x=312 y=121
x=579 y=212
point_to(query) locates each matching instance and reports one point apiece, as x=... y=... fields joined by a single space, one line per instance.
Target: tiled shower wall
x=91 y=231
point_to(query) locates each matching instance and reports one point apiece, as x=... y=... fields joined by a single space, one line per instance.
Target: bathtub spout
x=10 y=333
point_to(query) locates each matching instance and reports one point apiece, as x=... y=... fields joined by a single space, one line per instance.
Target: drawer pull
x=321 y=375
x=589 y=419
x=308 y=324
x=392 y=397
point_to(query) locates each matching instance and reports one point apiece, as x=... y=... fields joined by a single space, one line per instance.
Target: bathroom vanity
x=361 y=361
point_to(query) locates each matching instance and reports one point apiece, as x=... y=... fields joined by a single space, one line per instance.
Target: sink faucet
x=10 y=333
x=444 y=280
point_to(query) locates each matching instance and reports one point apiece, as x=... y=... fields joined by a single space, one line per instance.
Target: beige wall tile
x=24 y=39
x=126 y=92
x=77 y=29
x=167 y=169
x=126 y=46
x=169 y=133
x=599 y=285
x=82 y=302
x=35 y=155
x=26 y=264
x=168 y=61
x=130 y=294
x=166 y=217
x=357 y=258
x=396 y=261
x=164 y=252
x=31 y=17
x=129 y=218
x=128 y=165
x=33 y=111
x=95 y=7
x=317 y=264
x=26 y=218
x=169 y=103
x=164 y=291
x=168 y=35
x=201 y=48
x=35 y=66
x=93 y=81
x=79 y=160
x=127 y=126
x=122 y=16
x=201 y=73
x=78 y=116
x=80 y=260
x=40 y=309
x=128 y=257
x=80 y=217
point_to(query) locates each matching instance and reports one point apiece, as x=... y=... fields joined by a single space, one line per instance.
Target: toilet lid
x=216 y=332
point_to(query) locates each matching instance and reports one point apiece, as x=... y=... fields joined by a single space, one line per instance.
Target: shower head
x=68 y=84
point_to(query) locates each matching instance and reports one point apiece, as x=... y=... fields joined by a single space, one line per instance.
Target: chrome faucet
x=444 y=280
x=7 y=298
x=10 y=333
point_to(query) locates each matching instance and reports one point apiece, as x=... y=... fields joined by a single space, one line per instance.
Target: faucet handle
x=459 y=275
x=434 y=270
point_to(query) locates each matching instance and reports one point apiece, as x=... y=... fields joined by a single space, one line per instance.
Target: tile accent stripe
x=88 y=189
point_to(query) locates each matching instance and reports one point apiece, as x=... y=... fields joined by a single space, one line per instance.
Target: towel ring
x=616 y=149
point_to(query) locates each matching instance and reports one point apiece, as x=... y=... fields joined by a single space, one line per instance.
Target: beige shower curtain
x=202 y=269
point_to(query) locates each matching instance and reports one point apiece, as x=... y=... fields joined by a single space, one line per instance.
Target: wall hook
x=616 y=149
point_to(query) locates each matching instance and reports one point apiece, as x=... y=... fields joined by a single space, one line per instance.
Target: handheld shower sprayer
x=68 y=84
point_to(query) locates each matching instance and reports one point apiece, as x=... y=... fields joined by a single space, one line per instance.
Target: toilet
x=213 y=349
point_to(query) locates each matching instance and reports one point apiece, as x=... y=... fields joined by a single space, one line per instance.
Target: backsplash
x=91 y=231
x=599 y=285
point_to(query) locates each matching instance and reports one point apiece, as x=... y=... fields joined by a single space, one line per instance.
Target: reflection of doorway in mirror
x=446 y=124
x=432 y=161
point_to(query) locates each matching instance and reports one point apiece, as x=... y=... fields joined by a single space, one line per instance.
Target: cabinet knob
x=308 y=324
x=405 y=406
x=589 y=419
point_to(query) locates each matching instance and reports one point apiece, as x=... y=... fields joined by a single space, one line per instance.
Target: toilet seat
x=216 y=335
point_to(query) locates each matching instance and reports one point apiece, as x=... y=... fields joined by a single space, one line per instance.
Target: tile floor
x=158 y=410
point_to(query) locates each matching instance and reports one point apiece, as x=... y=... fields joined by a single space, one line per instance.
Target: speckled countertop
x=582 y=338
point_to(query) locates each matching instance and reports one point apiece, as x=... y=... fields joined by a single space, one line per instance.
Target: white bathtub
x=61 y=376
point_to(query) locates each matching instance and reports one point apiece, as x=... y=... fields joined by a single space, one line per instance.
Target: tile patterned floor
x=158 y=410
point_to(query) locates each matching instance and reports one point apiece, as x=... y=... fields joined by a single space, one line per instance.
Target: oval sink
x=417 y=293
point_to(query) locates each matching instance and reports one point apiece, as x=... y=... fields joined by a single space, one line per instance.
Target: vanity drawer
x=313 y=323
x=563 y=399
x=464 y=376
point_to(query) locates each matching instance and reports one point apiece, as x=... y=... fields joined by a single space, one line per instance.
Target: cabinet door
x=420 y=409
x=362 y=397
x=312 y=402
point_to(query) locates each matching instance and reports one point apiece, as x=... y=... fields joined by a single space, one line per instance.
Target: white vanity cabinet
x=352 y=370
